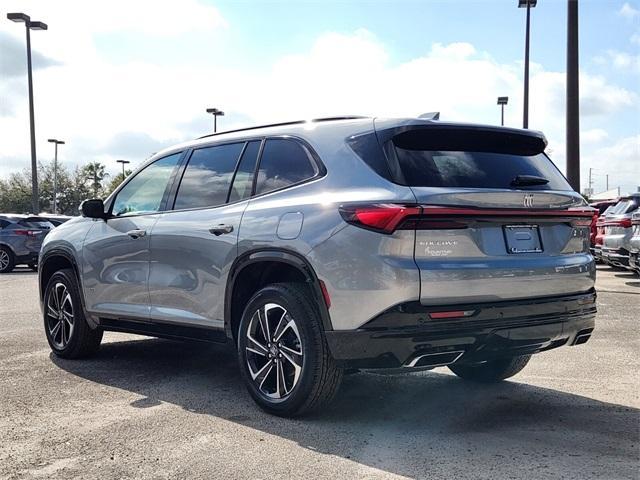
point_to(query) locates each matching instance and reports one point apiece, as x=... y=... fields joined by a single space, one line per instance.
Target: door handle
x=136 y=233
x=220 y=229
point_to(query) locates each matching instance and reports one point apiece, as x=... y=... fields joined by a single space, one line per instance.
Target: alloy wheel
x=4 y=259
x=274 y=351
x=59 y=315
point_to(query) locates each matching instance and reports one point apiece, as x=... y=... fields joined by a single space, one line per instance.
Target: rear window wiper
x=525 y=180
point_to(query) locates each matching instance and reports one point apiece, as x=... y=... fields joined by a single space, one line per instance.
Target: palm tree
x=95 y=173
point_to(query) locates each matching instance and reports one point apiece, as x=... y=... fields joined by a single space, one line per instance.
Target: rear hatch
x=496 y=220
x=35 y=229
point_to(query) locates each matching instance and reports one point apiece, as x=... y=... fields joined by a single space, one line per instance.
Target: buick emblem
x=527 y=200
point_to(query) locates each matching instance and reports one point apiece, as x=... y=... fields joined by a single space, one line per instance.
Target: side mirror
x=93 y=208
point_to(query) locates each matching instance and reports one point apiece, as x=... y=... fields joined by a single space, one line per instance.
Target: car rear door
x=115 y=269
x=496 y=220
x=194 y=244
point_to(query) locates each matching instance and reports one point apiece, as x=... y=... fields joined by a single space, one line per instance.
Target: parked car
x=597 y=227
x=56 y=220
x=315 y=247
x=618 y=230
x=20 y=240
x=634 y=244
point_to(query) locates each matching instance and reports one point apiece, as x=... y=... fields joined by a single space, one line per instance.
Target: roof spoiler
x=430 y=116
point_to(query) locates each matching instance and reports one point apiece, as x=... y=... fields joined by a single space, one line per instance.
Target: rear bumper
x=616 y=256
x=31 y=257
x=405 y=335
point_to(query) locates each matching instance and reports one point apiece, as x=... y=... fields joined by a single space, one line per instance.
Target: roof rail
x=283 y=124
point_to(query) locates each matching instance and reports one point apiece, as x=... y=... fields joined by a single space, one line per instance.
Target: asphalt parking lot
x=147 y=408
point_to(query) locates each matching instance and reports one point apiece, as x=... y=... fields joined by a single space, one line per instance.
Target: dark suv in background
x=20 y=240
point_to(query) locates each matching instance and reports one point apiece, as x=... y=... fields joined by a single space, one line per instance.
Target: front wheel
x=68 y=333
x=283 y=354
x=492 y=370
x=7 y=260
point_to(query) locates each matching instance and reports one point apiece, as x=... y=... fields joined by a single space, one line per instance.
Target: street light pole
x=502 y=101
x=215 y=112
x=55 y=173
x=528 y=4
x=573 y=103
x=123 y=162
x=31 y=25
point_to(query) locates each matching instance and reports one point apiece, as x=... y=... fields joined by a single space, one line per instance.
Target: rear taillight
x=624 y=223
x=389 y=217
x=29 y=233
x=384 y=218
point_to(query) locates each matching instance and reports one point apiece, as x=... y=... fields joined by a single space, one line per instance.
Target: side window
x=144 y=192
x=208 y=175
x=243 y=180
x=283 y=162
x=3 y=223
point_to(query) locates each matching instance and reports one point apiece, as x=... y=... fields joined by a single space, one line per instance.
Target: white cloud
x=628 y=12
x=619 y=60
x=619 y=160
x=91 y=101
x=595 y=135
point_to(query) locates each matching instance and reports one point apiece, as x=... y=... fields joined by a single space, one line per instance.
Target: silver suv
x=325 y=246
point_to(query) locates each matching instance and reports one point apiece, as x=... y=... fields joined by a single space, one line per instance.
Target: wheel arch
x=52 y=261
x=257 y=268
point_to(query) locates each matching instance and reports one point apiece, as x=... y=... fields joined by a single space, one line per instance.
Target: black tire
x=33 y=267
x=8 y=260
x=491 y=371
x=319 y=377
x=73 y=338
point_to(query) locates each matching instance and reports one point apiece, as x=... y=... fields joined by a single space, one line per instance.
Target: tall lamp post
x=216 y=113
x=573 y=103
x=528 y=4
x=123 y=162
x=502 y=101
x=30 y=25
x=55 y=173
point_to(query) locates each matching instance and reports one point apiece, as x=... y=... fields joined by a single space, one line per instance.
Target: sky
x=123 y=79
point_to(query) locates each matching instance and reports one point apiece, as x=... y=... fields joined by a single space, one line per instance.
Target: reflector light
x=452 y=314
x=31 y=233
x=325 y=294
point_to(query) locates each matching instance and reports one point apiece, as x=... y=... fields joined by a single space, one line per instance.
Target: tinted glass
x=283 y=162
x=144 y=192
x=476 y=169
x=243 y=180
x=206 y=180
x=3 y=223
x=36 y=224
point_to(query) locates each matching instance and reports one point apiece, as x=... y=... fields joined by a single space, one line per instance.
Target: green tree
x=72 y=187
x=96 y=175
x=115 y=182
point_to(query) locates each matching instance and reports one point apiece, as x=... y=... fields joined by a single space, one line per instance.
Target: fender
x=274 y=255
x=67 y=254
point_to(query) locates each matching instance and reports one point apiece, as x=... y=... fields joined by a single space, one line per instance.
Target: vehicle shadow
x=413 y=425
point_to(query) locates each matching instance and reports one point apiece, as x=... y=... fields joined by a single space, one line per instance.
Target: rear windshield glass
x=476 y=169
x=624 y=206
x=36 y=224
x=473 y=169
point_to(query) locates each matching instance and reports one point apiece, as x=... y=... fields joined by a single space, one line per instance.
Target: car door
x=115 y=267
x=194 y=245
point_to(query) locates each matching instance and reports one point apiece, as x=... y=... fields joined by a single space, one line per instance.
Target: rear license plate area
x=522 y=238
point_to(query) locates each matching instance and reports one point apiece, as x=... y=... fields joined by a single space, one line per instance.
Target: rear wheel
x=67 y=331
x=7 y=260
x=283 y=354
x=491 y=371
